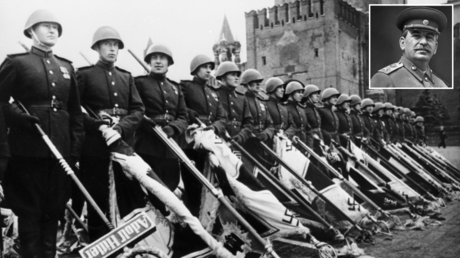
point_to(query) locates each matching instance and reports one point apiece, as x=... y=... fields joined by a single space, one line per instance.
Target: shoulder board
x=261 y=97
x=121 y=70
x=18 y=54
x=185 y=81
x=173 y=82
x=284 y=103
x=214 y=87
x=85 y=67
x=63 y=59
x=301 y=106
x=141 y=76
x=240 y=90
x=391 y=68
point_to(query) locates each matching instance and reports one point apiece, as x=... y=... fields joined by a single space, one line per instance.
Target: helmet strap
x=37 y=42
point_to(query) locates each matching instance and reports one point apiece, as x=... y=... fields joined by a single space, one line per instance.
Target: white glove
x=110 y=135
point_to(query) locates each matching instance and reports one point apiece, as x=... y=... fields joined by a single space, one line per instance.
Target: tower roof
x=225 y=32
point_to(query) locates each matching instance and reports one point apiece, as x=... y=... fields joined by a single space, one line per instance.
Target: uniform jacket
x=420 y=135
x=282 y=118
x=204 y=100
x=263 y=122
x=401 y=133
x=36 y=79
x=109 y=88
x=408 y=131
x=380 y=132
x=329 y=124
x=405 y=74
x=345 y=126
x=368 y=123
x=302 y=128
x=161 y=97
x=314 y=120
x=391 y=129
x=239 y=117
x=357 y=124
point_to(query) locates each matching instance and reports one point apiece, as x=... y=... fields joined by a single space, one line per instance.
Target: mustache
x=423 y=48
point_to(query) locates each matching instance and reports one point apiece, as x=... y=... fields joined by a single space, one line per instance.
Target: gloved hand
x=192 y=115
x=238 y=139
x=28 y=121
x=169 y=131
x=262 y=137
x=111 y=136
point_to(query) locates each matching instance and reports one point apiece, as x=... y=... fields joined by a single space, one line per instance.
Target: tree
x=431 y=108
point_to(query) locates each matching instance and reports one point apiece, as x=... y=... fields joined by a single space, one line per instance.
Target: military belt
x=53 y=104
x=114 y=111
x=235 y=123
x=165 y=118
x=205 y=119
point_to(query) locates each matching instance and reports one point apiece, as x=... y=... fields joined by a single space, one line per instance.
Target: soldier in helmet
x=389 y=122
x=263 y=123
x=399 y=118
x=164 y=104
x=311 y=98
x=356 y=120
x=107 y=89
x=420 y=131
x=380 y=133
x=282 y=118
x=345 y=125
x=367 y=106
x=202 y=102
x=329 y=119
x=36 y=186
x=240 y=121
x=294 y=91
x=408 y=129
x=420 y=28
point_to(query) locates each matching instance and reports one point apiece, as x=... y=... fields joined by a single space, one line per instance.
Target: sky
x=187 y=27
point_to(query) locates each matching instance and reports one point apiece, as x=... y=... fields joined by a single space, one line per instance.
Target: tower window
x=264 y=60
x=316 y=52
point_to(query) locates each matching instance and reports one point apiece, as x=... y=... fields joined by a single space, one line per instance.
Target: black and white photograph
x=411 y=46
x=229 y=128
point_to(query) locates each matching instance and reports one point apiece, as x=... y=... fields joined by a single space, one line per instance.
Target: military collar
x=271 y=98
x=105 y=66
x=229 y=90
x=291 y=102
x=158 y=77
x=414 y=70
x=199 y=81
x=309 y=104
x=41 y=53
x=250 y=94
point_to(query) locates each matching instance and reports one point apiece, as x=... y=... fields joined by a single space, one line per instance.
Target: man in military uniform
x=420 y=131
x=390 y=126
x=420 y=28
x=36 y=186
x=399 y=121
x=329 y=119
x=345 y=125
x=408 y=129
x=107 y=89
x=294 y=91
x=367 y=105
x=202 y=102
x=235 y=104
x=311 y=98
x=380 y=132
x=356 y=120
x=282 y=118
x=164 y=104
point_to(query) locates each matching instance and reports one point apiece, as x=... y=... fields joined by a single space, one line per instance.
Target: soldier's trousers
x=36 y=189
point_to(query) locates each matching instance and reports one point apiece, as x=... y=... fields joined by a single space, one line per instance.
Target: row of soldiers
x=47 y=90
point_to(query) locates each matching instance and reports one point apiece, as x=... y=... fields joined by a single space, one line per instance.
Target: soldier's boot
x=49 y=238
x=29 y=237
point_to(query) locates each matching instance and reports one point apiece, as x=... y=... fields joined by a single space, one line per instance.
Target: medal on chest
x=214 y=95
x=65 y=73
x=262 y=106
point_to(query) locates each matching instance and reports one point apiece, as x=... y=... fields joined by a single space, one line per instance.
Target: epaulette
x=241 y=90
x=302 y=106
x=122 y=70
x=214 y=87
x=391 y=68
x=262 y=97
x=173 y=82
x=182 y=82
x=63 y=59
x=141 y=76
x=85 y=67
x=18 y=54
x=284 y=103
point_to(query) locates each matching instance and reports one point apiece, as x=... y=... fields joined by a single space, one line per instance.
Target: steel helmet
x=200 y=60
x=227 y=67
x=159 y=49
x=328 y=93
x=272 y=84
x=407 y=112
x=388 y=105
x=38 y=17
x=419 y=119
x=355 y=100
x=250 y=75
x=378 y=106
x=342 y=99
x=104 y=33
x=399 y=109
x=367 y=102
x=293 y=86
x=412 y=114
x=310 y=89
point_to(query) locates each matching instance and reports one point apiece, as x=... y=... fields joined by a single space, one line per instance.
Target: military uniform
x=107 y=88
x=380 y=132
x=329 y=124
x=314 y=120
x=409 y=131
x=202 y=99
x=369 y=125
x=282 y=118
x=345 y=126
x=263 y=122
x=239 y=117
x=401 y=133
x=36 y=187
x=405 y=74
x=420 y=137
x=164 y=104
x=358 y=126
x=390 y=128
x=302 y=128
